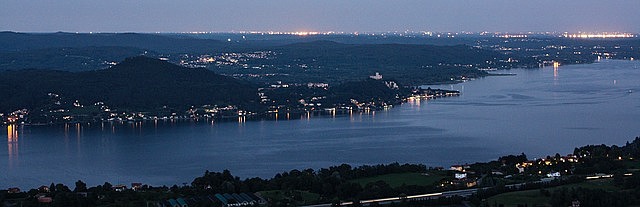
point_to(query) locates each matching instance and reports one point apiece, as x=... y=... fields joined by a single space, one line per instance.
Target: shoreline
x=265 y=115
x=325 y=116
x=424 y=94
x=526 y=173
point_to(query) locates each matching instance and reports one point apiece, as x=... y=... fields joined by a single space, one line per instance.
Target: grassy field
x=535 y=198
x=529 y=197
x=306 y=197
x=395 y=180
x=632 y=164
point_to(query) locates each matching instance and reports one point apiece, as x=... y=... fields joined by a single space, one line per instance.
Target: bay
x=538 y=112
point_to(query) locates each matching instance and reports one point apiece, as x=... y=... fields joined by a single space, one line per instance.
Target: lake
x=538 y=112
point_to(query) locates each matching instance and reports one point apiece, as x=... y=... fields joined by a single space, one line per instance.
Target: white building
x=376 y=77
x=553 y=175
x=461 y=175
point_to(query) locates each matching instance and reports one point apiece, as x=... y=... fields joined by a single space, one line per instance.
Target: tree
x=80 y=186
x=107 y=186
x=52 y=188
x=62 y=188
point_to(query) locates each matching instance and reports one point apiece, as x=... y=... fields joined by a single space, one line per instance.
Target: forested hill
x=73 y=59
x=84 y=51
x=136 y=83
x=334 y=63
x=333 y=54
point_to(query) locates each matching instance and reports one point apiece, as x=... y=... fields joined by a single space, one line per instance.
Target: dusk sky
x=322 y=16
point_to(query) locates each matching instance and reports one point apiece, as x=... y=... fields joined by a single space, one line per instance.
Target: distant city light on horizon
x=599 y=35
x=500 y=34
x=200 y=16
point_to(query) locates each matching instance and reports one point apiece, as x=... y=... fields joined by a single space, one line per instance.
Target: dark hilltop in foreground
x=594 y=175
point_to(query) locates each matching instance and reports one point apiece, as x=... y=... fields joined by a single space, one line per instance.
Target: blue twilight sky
x=319 y=15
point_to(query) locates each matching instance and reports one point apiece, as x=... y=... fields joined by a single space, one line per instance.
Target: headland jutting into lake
x=478 y=125
x=151 y=96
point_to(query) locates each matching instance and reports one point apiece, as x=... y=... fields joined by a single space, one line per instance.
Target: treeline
x=600 y=158
x=504 y=164
x=332 y=182
x=83 y=196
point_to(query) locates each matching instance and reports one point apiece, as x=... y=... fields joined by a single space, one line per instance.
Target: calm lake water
x=538 y=112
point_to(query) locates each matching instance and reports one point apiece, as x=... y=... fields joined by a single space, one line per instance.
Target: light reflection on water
x=537 y=112
x=12 y=143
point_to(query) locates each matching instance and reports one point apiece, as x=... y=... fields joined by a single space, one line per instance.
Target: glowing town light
x=599 y=35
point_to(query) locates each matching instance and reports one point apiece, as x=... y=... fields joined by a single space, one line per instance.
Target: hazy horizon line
x=274 y=32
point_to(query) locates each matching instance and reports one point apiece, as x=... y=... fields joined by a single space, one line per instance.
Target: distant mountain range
x=293 y=61
x=72 y=59
x=137 y=83
x=82 y=51
x=333 y=54
x=15 y=42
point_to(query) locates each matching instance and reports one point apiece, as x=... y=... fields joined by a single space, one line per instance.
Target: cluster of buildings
x=14 y=117
x=430 y=93
x=546 y=162
x=61 y=111
x=42 y=195
x=225 y=59
x=462 y=177
x=546 y=168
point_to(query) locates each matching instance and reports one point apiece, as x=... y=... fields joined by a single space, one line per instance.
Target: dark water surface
x=538 y=112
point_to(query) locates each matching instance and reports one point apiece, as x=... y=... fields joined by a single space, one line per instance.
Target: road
x=462 y=193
